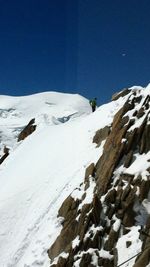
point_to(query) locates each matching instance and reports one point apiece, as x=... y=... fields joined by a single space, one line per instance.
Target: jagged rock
x=6 y=150
x=120 y=94
x=90 y=171
x=108 y=263
x=29 y=129
x=138 y=180
x=97 y=241
x=112 y=239
x=138 y=99
x=126 y=193
x=120 y=213
x=84 y=221
x=134 y=138
x=6 y=153
x=114 y=195
x=128 y=159
x=64 y=240
x=146 y=102
x=101 y=135
x=130 y=196
x=148 y=223
x=61 y=262
x=129 y=217
x=124 y=205
x=111 y=212
x=113 y=150
x=95 y=215
x=140 y=113
x=87 y=244
x=68 y=208
x=100 y=262
x=111 y=196
x=125 y=230
x=131 y=141
x=144 y=189
x=86 y=260
x=127 y=177
x=144 y=259
x=118 y=197
x=145 y=140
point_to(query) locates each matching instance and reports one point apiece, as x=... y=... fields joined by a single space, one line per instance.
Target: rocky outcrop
x=91 y=229
x=5 y=155
x=120 y=94
x=144 y=258
x=101 y=135
x=29 y=129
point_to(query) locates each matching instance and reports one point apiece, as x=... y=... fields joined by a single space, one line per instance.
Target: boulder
x=29 y=129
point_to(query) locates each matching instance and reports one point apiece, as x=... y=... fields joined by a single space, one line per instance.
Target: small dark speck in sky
x=93 y=48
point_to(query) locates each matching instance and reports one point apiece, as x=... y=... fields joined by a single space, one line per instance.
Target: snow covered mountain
x=99 y=189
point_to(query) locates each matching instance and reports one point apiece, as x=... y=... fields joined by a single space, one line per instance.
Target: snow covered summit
x=47 y=108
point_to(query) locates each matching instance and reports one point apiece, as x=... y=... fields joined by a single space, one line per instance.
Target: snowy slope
x=48 y=108
x=42 y=170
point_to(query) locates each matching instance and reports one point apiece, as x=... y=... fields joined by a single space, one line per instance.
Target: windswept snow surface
x=42 y=170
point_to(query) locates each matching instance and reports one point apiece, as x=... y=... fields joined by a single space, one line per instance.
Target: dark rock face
x=6 y=153
x=68 y=211
x=29 y=129
x=120 y=94
x=101 y=135
x=90 y=170
x=95 y=227
x=113 y=148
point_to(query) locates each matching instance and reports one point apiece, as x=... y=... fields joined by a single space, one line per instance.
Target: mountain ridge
x=42 y=171
x=116 y=202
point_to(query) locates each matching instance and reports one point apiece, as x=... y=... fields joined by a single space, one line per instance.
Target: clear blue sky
x=90 y=47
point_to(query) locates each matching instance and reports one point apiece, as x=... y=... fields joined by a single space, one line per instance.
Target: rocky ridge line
x=26 y=131
x=111 y=197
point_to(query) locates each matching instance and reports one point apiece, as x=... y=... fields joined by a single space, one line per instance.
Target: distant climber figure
x=93 y=104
